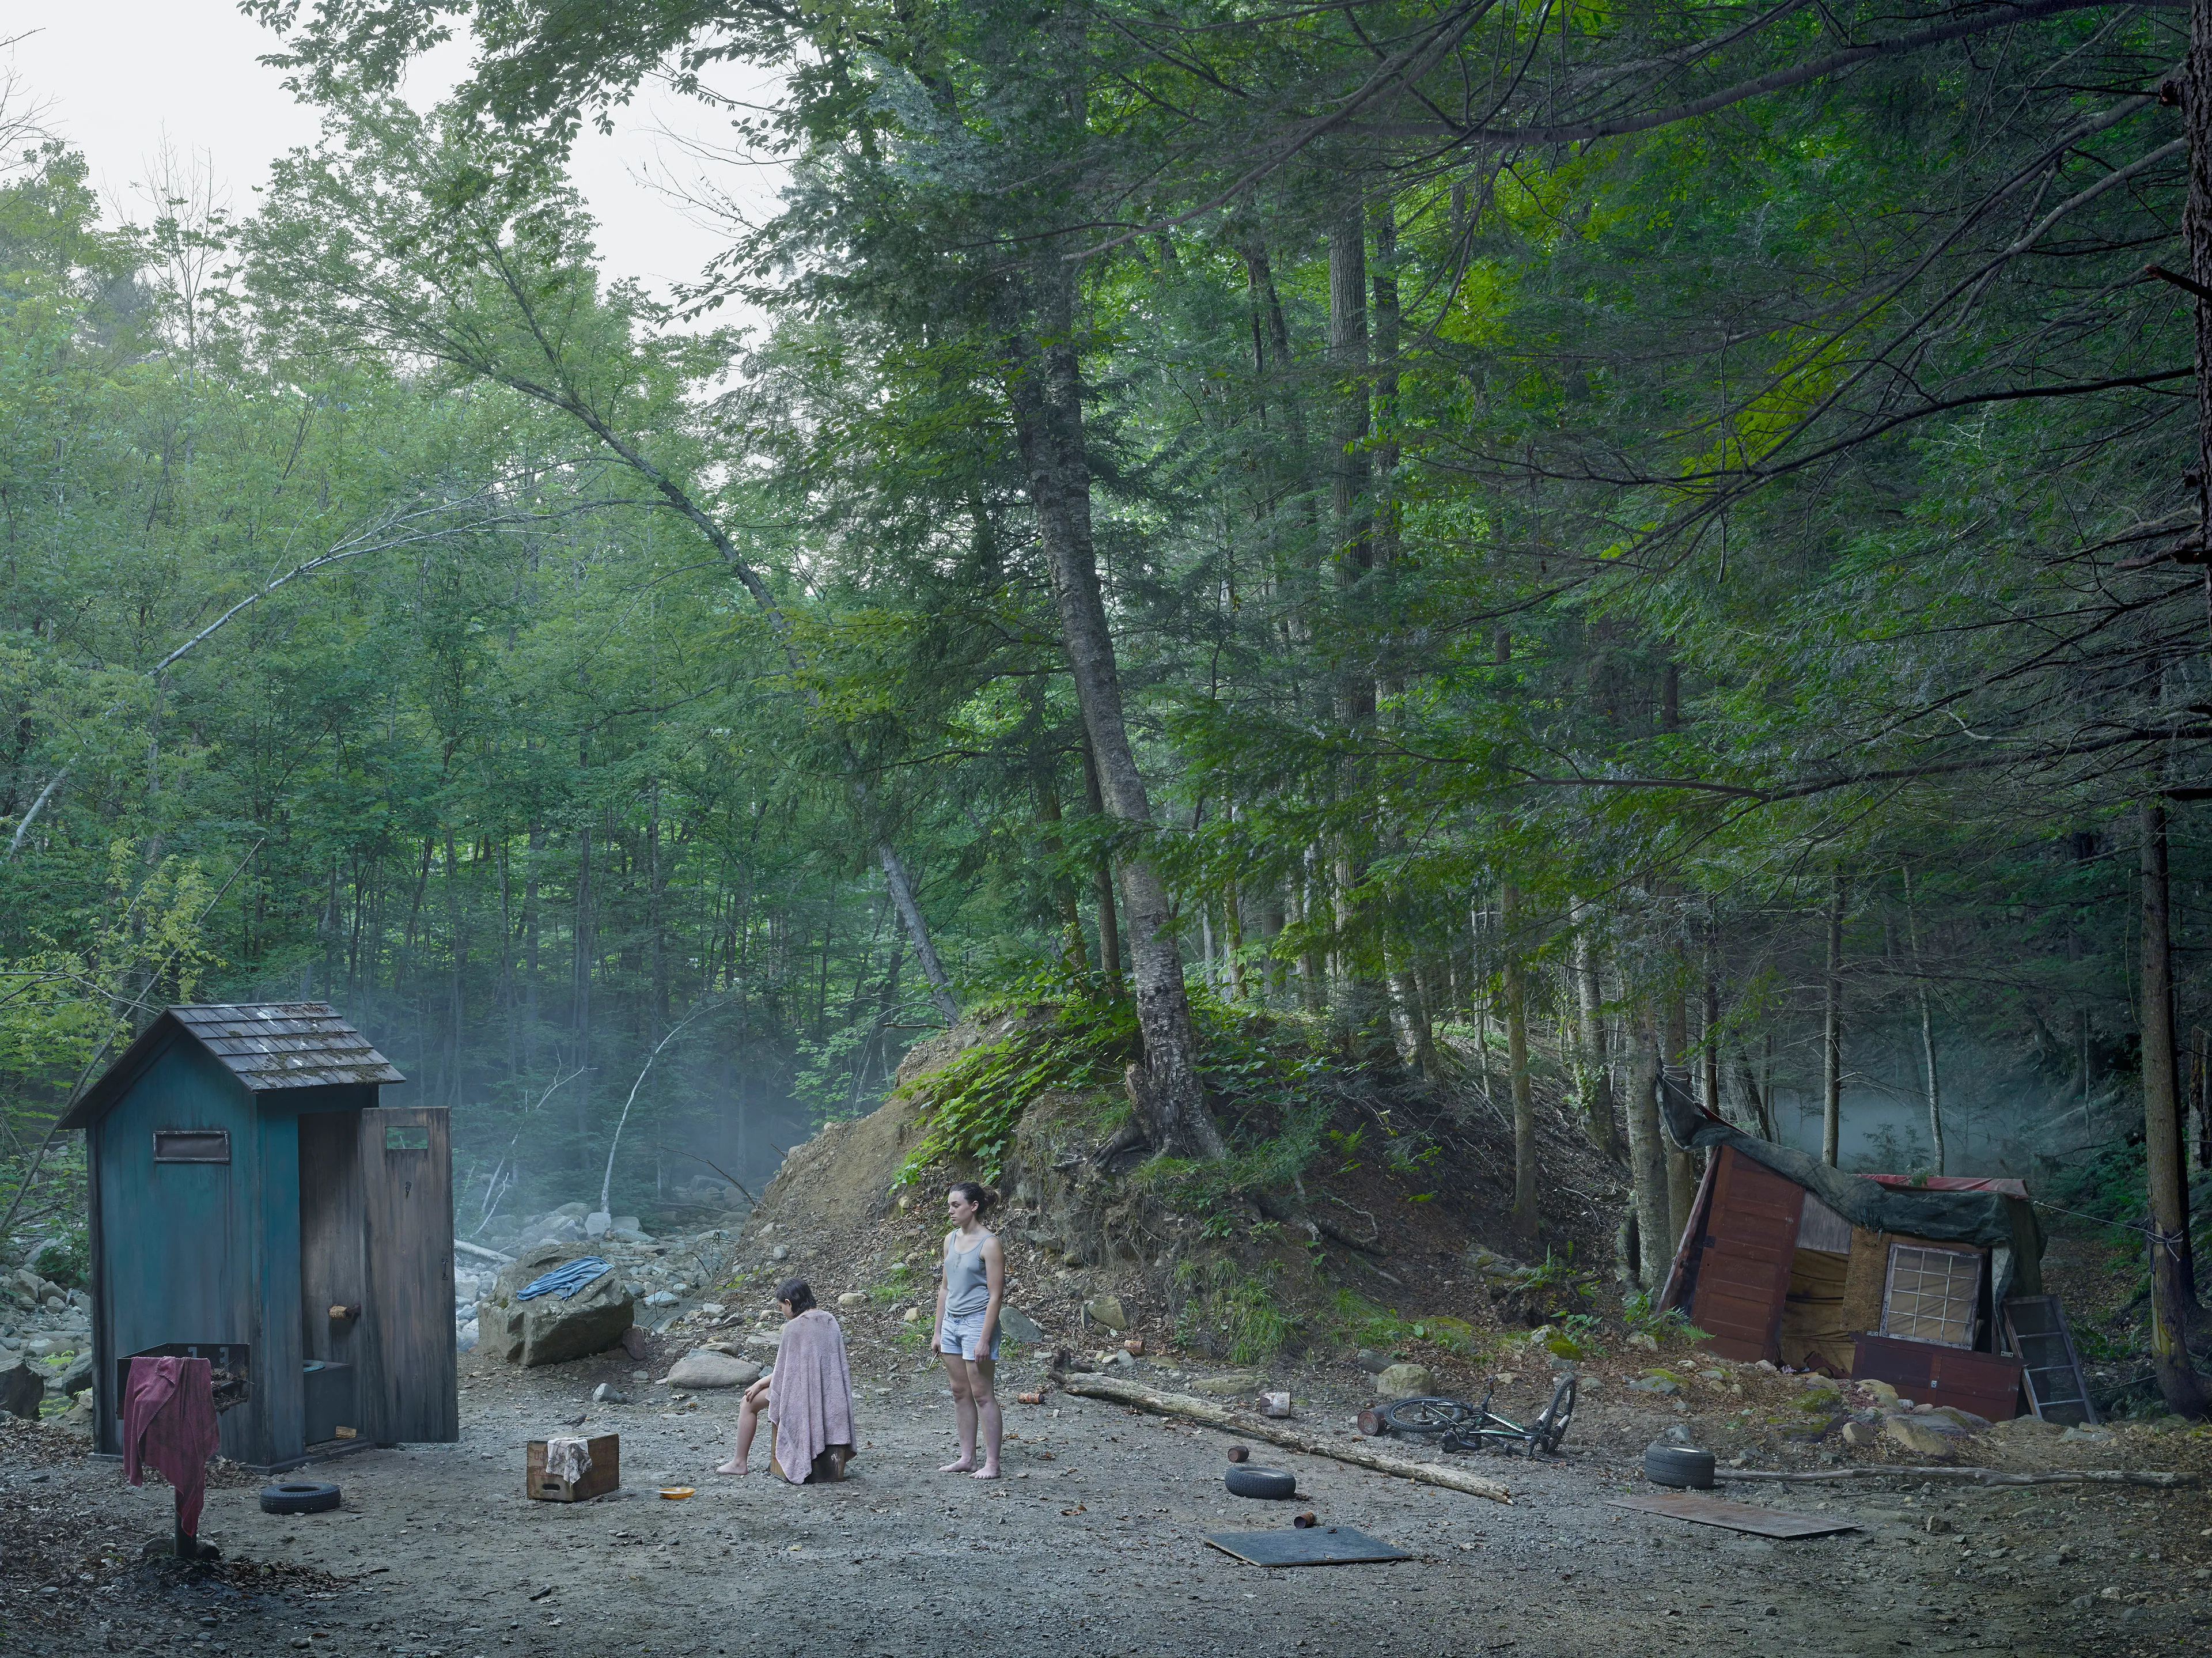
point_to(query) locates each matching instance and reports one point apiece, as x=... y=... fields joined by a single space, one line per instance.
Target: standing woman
x=968 y=1301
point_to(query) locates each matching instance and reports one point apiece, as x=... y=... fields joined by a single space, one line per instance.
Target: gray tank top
x=967 y=1284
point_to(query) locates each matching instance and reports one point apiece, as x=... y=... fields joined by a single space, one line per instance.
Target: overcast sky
x=125 y=75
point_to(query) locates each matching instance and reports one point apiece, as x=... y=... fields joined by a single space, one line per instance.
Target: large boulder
x=1406 y=1381
x=21 y=1389
x=703 y=1368
x=549 y=1329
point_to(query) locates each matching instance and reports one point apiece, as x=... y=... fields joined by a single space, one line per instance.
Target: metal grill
x=1931 y=1295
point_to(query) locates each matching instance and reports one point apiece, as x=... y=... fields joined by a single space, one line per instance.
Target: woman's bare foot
x=985 y=1472
x=963 y=1466
x=732 y=1467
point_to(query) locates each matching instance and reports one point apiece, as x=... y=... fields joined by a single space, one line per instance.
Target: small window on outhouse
x=192 y=1145
x=407 y=1138
x=1931 y=1295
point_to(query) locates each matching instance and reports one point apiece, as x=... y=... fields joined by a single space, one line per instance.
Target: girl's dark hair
x=799 y=1293
x=976 y=1192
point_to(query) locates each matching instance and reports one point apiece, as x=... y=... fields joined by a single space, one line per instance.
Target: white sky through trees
x=123 y=78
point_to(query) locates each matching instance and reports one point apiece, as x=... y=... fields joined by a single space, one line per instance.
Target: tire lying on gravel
x=290 y=1497
x=1679 y=1466
x=1245 y=1481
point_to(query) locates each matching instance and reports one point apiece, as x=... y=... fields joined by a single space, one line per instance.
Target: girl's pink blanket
x=809 y=1398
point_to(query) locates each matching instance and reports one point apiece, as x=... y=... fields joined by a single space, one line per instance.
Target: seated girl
x=812 y=1400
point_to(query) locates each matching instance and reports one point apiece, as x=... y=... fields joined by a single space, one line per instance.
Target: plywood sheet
x=1812 y=1328
x=1733 y=1516
x=1743 y=1274
x=407 y=1187
x=1313 y=1545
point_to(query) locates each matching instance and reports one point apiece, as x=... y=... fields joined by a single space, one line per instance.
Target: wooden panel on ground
x=603 y=1476
x=407 y=1185
x=1310 y=1546
x=1734 y=1516
x=1743 y=1272
x=1926 y=1373
x=2036 y=1328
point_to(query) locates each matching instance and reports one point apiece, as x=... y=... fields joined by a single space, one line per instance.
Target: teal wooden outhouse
x=252 y=1204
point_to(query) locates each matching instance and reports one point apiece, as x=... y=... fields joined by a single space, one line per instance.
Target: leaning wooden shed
x=1933 y=1285
x=254 y=1205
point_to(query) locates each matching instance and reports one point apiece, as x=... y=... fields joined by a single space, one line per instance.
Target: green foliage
x=65 y=1260
x=1227 y=1309
x=1672 y=1326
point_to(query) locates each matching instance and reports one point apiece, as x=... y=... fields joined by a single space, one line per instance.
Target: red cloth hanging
x=169 y=1405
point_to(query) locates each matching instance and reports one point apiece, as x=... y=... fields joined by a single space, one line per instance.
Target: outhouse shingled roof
x=286 y=1044
x=267 y=1046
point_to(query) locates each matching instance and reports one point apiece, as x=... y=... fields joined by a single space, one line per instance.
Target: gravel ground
x=1091 y=1546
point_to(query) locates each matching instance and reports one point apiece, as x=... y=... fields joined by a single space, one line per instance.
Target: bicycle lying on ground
x=1460 y=1426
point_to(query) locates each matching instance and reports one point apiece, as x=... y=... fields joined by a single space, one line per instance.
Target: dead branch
x=1253 y=1427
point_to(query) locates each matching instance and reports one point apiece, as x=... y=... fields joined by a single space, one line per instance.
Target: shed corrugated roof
x=267 y=1046
x=286 y=1044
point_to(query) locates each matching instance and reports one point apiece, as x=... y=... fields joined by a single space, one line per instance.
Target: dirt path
x=1089 y=1548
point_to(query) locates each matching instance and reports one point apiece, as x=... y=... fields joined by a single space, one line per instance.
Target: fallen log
x=2164 y=1482
x=1275 y=1433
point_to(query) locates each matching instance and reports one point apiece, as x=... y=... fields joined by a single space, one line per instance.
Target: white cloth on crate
x=567 y=1459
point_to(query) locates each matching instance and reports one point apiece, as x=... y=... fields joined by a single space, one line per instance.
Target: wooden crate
x=1929 y=1374
x=828 y=1466
x=603 y=1475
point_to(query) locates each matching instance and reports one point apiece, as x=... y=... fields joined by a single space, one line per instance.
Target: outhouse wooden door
x=407 y=1191
x=1750 y=1239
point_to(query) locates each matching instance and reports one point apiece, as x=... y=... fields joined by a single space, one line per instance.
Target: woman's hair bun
x=977 y=1193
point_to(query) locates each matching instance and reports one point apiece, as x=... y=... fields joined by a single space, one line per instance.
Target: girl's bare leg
x=988 y=1412
x=964 y=1411
x=748 y=1419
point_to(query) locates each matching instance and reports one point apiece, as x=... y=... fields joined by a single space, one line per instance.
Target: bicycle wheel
x=1546 y=1432
x=1426 y=1415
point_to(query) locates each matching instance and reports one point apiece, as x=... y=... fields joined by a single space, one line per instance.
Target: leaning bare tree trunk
x=2172 y=1295
x=1647 y=1160
x=1044 y=394
x=1523 y=1218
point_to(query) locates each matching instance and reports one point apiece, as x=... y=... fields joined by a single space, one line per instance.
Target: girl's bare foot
x=732 y=1467
x=985 y=1472
x=963 y=1466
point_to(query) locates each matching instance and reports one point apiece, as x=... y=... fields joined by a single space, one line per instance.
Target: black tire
x=298 y=1497
x=1245 y=1481
x=1681 y=1466
x=1549 y=1430
x=1428 y=1414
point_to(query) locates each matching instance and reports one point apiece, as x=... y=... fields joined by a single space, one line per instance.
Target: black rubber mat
x=1315 y=1545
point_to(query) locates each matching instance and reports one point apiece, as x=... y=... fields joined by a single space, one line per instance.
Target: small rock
x=1107 y=1310
x=1861 y=1434
x=76 y=1378
x=1226 y=1386
x=1884 y=1395
x=713 y=1308
x=2079 y=1432
x=662 y=1298
x=1645 y=1341
x=1936 y=1526
x=702 y=1368
x=853 y=1298
x=781 y=1252
x=910 y=1314
x=1406 y=1382
x=1372 y=1362
x=1015 y=1325
x=606 y=1393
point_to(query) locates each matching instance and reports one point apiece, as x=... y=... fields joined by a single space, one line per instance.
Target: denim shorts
x=962 y=1335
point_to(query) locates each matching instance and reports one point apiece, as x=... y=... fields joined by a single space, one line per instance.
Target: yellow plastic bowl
x=675 y=1493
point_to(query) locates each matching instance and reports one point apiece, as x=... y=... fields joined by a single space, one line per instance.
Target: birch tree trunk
x=1523 y=1218
x=1831 y=1033
x=1589 y=998
x=1647 y=1160
x=1927 y=1029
